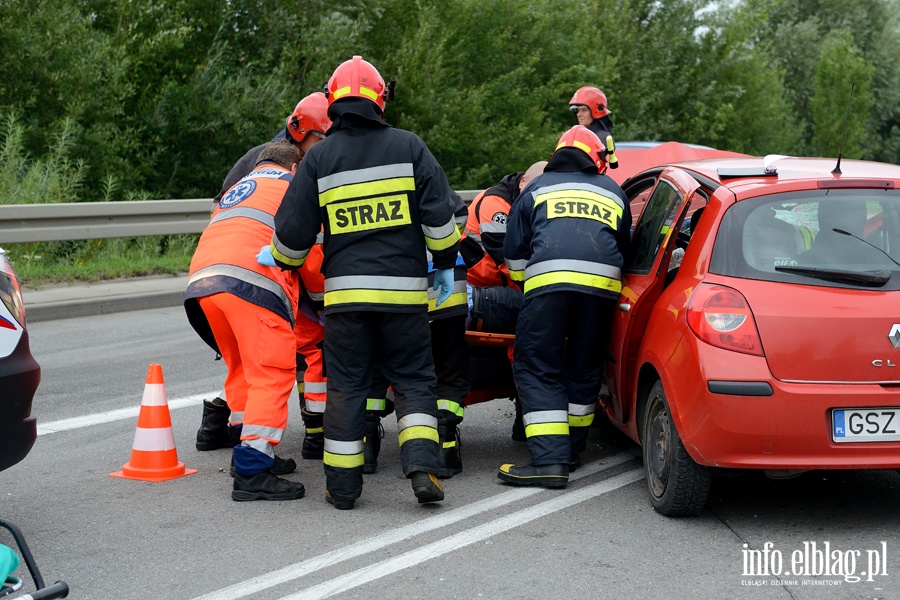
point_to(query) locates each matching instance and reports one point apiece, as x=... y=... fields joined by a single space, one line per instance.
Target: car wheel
x=677 y=485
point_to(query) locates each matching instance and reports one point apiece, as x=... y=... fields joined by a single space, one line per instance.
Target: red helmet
x=311 y=114
x=584 y=139
x=593 y=98
x=356 y=78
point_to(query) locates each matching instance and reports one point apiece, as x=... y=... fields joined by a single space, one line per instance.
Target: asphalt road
x=185 y=538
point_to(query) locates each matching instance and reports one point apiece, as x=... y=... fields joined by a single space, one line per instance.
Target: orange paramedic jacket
x=481 y=245
x=225 y=259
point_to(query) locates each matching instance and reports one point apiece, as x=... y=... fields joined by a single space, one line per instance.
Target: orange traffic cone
x=153 y=455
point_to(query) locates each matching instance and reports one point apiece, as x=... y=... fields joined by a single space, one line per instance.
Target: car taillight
x=720 y=316
x=10 y=294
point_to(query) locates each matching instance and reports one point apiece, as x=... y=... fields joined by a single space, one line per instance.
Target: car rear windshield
x=841 y=238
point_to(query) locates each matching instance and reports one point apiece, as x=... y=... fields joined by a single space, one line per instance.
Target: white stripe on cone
x=154 y=395
x=154 y=440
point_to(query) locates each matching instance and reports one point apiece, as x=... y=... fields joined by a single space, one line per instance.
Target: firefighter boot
x=449 y=457
x=426 y=487
x=372 y=443
x=548 y=476
x=264 y=486
x=214 y=432
x=314 y=439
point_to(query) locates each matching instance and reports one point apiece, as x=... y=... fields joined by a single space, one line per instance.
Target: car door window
x=656 y=221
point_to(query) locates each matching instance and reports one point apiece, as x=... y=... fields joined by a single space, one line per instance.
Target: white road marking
x=115 y=415
x=373 y=544
x=464 y=538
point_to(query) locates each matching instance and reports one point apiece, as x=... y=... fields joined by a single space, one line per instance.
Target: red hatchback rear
x=763 y=331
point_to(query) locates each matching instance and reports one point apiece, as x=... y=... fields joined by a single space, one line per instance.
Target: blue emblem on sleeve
x=240 y=192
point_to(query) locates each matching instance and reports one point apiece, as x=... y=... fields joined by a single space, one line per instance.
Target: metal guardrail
x=21 y=223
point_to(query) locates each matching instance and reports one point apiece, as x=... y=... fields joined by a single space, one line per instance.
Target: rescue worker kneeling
x=382 y=198
x=566 y=239
x=245 y=311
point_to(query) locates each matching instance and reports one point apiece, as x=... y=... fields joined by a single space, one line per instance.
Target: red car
x=758 y=325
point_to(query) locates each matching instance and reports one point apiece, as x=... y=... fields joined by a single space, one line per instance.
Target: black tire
x=677 y=486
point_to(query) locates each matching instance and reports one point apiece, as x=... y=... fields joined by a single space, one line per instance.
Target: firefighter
x=565 y=239
x=245 y=312
x=592 y=110
x=382 y=198
x=305 y=126
x=451 y=365
x=496 y=300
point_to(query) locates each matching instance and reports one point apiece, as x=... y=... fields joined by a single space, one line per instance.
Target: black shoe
x=372 y=443
x=338 y=504
x=282 y=466
x=313 y=445
x=426 y=487
x=449 y=457
x=214 y=432
x=574 y=462
x=264 y=486
x=548 y=476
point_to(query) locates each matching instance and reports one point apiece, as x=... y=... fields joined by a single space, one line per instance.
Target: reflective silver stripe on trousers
x=251 y=277
x=579 y=266
x=581 y=410
x=236 y=418
x=545 y=416
x=248 y=213
x=318 y=297
x=516 y=264
x=260 y=445
x=270 y=433
x=315 y=387
x=292 y=254
x=459 y=287
x=562 y=187
x=365 y=175
x=345 y=448
x=314 y=406
x=417 y=420
x=374 y=282
x=440 y=232
x=492 y=227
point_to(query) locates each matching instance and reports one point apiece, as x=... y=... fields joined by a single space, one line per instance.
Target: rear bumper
x=19 y=378
x=789 y=429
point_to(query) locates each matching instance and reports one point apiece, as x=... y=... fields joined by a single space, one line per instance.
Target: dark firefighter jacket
x=569 y=230
x=382 y=198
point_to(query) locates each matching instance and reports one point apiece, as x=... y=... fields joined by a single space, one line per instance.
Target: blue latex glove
x=9 y=561
x=443 y=278
x=265 y=257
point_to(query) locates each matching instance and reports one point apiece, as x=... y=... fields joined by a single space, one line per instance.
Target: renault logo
x=894 y=335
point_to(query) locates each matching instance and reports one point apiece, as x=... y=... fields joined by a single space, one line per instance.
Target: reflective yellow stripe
x=315 y=429
x=517 y=275
x=449 y=444
x=418 y=432
x=584 y=421
x=372 y=94
x=594 y=281
x=546 y=429
x=375 y=297
x=341 y=92
x=294 y=262
x=453 y=300
x=376 y=403
x=451 y=406
x=436 y=245
x=394 y=185
x=343 y=461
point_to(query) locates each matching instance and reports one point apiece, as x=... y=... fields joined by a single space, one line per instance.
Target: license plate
x=865 y=424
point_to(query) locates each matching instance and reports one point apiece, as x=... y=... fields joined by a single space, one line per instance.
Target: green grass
x=87 y=261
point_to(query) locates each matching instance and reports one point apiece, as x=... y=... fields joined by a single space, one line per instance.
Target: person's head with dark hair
x=283 y=153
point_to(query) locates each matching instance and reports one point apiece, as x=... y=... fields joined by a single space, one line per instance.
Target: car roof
x=744 y=175
x=636 y=157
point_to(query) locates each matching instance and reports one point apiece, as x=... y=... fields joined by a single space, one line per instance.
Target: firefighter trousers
x=258 y=348
x=560 y=346
x=399 y=346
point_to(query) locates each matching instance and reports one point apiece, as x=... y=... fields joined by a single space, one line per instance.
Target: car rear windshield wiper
x=872 y=278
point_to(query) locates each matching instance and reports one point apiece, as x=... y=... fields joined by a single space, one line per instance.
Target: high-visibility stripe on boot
x=450 y=406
